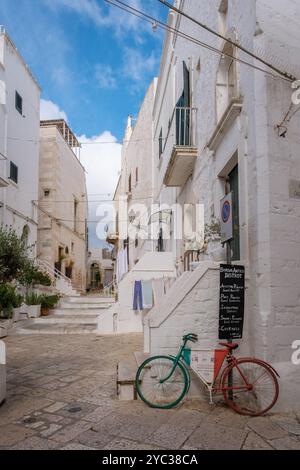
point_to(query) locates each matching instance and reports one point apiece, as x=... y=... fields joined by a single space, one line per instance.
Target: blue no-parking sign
x=226 y=218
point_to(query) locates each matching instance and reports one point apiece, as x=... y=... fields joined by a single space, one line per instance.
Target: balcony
x=180 y=150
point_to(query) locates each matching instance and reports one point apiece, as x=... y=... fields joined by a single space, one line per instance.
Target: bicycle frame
x=232 y=362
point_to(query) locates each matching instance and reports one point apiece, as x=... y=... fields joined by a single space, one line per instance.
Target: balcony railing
x=182 y=128
x=180 y=150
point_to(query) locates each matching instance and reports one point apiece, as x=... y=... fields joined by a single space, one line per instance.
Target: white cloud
x=104 y=76
x=50 y=110
x=138 y=67
x=102 y=163
x=110 y=17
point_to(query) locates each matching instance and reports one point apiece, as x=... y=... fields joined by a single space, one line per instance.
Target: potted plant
x=17 y=303
x=33 y=302
x=212 y=241
x=7 y=295
x=48 y=302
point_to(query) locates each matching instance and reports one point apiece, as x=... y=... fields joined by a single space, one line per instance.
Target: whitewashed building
x=100 y=269
x=62 y=205
x=240 y=133
x=19 y=142
x=224 y=122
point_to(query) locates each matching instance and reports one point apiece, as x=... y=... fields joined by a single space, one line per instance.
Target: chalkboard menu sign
x=232 y=299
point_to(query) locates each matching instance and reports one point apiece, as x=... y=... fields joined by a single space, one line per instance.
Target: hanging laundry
x=122 y=265
x=147 y=293
x=138 y=296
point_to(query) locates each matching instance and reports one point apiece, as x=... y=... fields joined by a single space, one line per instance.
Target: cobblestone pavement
x=62 y=395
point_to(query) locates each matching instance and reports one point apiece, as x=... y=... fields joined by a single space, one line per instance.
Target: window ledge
x=13 y=183
x=233 y=110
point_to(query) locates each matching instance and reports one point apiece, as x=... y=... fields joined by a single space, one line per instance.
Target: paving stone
x=12 y=433
x=98 y=414
x=255 y=442
x=126 y=444
x=70 y=432
x=266 y=428
x=171 y=436
x=77 y=410
x=51 y=429
x=286 y=443
x=55 y=407
x=51 y=417
x=211 y=437
x=35 y=443
x=94 y=439
x=139 y=426
x=76 y=446
x=289 y=423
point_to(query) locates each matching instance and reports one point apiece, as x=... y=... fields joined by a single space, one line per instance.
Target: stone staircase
x=74 y=315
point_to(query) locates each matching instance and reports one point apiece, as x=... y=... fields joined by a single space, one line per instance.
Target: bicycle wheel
x=155 y=393
x=263 y=390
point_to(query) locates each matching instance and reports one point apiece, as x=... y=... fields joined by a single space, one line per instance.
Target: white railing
x=110 y=289
x=54 y=273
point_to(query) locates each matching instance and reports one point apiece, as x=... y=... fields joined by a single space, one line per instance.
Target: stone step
x=126 y=372
x=70 y=319
x=83 y=306
x=88 y=300
x=140 y=357
x=62 y=328
x=75 y=312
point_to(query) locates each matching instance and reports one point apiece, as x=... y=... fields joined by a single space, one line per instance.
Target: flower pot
x=23 y=309
x=33 y=311
x=16 y=314
x=216 y=251
x=44 y=311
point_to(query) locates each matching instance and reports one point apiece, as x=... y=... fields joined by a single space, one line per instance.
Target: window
x=75 y=214
x=160 y=144
x=13 y=174
x=46 y=192
x=129 y=184
x=19 y=103
x=226 y=88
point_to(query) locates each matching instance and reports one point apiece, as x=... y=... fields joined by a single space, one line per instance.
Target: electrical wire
x=229 y=41
x=154 y=21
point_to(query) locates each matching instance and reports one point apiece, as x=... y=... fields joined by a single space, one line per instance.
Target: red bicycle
x=249 y=385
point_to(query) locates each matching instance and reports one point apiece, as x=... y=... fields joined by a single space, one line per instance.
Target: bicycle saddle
x=190 y=337
x=230 y=346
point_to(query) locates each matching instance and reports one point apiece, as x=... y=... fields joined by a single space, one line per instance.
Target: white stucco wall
x=19 y=140
x=269 y=217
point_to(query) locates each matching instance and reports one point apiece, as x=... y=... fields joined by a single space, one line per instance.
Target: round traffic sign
x=226 y=210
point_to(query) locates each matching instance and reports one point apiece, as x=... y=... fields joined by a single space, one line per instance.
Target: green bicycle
x=163 y=381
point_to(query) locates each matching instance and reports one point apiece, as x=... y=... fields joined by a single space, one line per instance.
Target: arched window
x=226 y=87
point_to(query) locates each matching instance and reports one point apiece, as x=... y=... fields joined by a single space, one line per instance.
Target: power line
x=154 y=21
x=229 y=41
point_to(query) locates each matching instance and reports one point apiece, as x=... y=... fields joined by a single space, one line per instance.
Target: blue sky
x=91 y=59
x=94 y=64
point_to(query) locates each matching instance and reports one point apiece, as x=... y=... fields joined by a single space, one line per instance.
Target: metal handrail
x=54 y=272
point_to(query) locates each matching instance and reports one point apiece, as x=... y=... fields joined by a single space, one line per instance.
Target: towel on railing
x=147 y=293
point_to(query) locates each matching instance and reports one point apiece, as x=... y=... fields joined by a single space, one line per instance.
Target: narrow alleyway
x=62 y=395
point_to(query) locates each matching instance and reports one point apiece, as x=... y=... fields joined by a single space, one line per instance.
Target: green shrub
x=32 y=298
x=49 y=301
x=31 y=275
x=7 y=299
x=13 y=255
